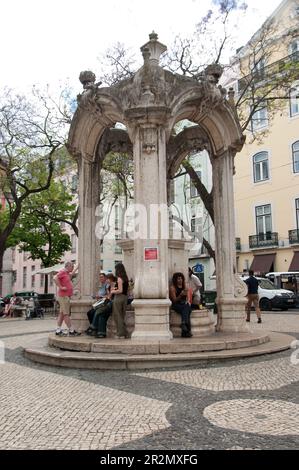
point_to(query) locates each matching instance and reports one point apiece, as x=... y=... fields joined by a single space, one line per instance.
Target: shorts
x=65 y=305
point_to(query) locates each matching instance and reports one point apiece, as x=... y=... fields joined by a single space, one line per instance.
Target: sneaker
x=60 y=333
x=100 y=335
x=259 y=320
x=90 y=331
x=74 y=333
x=247 y=319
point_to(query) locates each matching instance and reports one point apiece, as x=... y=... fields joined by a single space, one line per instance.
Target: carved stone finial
x=214 y=70
x=146 y=55
x=153 y=36
x=231 y=96
x=155 y=49
x=87 y=77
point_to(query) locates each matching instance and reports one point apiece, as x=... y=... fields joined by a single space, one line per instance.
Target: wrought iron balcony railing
x=270 y=71
x=263 y=240
x=238 y=244
x=294 y=236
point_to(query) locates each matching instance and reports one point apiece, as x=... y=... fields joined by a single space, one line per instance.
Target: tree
x=38 y=230
x=31 y=132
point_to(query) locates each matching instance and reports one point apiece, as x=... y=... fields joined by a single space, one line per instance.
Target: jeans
x=90 y=315
x=100 y=318
x=184 y=310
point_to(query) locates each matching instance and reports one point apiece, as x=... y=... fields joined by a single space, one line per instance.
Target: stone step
x=42 y=353
x=217 y=342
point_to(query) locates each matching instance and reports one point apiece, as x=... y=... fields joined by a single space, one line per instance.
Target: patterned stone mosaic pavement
x=237 y=404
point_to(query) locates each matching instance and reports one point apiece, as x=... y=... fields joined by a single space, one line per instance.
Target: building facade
x=267 y=169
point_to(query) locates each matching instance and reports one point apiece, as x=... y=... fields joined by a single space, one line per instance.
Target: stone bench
x=202 y=323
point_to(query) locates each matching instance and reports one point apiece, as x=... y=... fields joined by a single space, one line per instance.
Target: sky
x=50 y=41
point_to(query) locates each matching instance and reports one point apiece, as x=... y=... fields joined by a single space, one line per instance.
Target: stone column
x=151 y=302
x=230 y=289
x=89 y=244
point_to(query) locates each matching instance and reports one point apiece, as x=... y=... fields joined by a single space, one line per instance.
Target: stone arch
x=215 y=116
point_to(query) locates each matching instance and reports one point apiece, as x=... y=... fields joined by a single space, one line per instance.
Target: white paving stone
x=54 y=411
x=266 y=375
x=266 y=417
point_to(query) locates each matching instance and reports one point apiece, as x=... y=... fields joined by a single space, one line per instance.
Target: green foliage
x=38 y=230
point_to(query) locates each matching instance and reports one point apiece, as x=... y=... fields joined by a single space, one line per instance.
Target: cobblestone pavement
x=237 y=404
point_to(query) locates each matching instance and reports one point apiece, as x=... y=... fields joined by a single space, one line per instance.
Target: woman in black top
x=120 y=299
x=181 y=298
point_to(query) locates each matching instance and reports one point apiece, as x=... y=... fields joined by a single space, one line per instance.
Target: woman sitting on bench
x=181 y=299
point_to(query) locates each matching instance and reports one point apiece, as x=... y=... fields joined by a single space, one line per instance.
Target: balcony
x=269 y=72
x=263 y=240
x=294 y=236
x=238 y=244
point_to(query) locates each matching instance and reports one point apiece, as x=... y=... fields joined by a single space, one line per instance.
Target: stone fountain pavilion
x=149 y=104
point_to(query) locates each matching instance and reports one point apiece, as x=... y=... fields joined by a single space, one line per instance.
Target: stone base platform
x=89 y=353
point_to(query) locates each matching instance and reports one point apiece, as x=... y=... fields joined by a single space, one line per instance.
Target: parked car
x=24 y=294
x=274 y=297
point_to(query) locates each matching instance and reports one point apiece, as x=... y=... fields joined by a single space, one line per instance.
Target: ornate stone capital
x=240 y=289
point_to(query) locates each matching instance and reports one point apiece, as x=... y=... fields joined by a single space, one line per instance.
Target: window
x=260 y=167
x=74 y=186
x=297 y=212
x=51 y=280
x=117 y=222
x=259 y=68
x=294 y=100
x=33 y=281
x=196 y=227
x=13 y=255
x=171 y=192
x=14 y=276
x=24 y=277
x=74 y=243
x=118 y=250
x=295 y=156
x=32 y=268
x=259 y=119
x=294 y=47
x=263 y=221
x=25 y=256
x=193 y=189
x=42 y=280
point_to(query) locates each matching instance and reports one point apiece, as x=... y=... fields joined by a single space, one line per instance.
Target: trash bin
x=209 y=298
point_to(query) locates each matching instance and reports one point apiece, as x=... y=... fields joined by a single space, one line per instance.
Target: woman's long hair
x=175 y=279
x=120 y=271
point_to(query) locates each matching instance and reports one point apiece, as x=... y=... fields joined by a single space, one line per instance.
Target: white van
x=273 y=297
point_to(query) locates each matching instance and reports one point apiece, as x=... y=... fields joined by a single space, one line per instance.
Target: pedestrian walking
x=253 y=297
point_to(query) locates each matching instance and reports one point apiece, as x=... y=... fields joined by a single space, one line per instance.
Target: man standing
x=65 y=290
x=252 y=296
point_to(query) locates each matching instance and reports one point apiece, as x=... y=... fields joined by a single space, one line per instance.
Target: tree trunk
x=46 y=284
x=1 y=266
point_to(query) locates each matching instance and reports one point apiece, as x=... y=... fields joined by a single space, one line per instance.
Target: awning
x=51 y=270
x=262 y=263
x=294 y=266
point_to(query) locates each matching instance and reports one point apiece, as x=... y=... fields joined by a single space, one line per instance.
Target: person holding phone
x=181 y=299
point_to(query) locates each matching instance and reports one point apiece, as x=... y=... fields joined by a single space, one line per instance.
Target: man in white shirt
x=195 y=285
